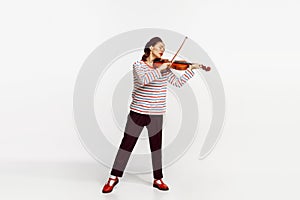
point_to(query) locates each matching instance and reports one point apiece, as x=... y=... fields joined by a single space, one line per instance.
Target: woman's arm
x=180 y=81
x=144 y=76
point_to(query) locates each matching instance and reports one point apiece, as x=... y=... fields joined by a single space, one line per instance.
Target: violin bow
x=206 y=68
x=178 y=49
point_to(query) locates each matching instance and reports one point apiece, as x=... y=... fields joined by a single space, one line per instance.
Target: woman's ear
x=151 y=47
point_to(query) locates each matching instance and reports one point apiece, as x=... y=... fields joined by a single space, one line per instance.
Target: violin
x=178 y=64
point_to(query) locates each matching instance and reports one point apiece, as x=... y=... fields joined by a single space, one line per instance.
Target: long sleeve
x=179 y=81
x=145 y=76
x=150 y=88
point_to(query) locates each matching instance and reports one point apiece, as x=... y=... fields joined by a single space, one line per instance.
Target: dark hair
x=147 y=50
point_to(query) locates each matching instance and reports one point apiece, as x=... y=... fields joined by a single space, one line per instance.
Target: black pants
x=134 y=126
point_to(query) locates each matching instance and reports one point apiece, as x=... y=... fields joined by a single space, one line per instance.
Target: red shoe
x=160 y=186
x=107 y=188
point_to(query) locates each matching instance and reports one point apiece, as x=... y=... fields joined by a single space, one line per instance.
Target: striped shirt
x=150 y=88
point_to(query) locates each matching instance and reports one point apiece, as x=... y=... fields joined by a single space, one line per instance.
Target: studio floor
x=84 y=180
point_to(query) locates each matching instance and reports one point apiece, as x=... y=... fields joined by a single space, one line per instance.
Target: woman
x=146 y=109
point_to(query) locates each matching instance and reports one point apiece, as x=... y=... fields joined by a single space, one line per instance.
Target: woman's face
x=158 y=49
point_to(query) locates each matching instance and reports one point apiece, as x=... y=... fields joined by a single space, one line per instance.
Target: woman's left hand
x=195 y=66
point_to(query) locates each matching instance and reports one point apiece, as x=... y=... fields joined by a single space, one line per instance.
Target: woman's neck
x=150 y=60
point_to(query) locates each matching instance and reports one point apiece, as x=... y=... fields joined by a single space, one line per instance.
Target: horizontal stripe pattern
x=150 y=88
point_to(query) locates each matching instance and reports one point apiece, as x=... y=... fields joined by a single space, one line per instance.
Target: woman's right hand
x=164 y=66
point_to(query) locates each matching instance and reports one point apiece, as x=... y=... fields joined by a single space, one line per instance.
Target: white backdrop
x=254 y=45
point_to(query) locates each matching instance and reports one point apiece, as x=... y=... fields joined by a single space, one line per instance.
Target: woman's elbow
x=178 y=85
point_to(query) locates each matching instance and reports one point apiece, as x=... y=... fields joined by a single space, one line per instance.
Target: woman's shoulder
x=142 y=64
x=139 y=63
